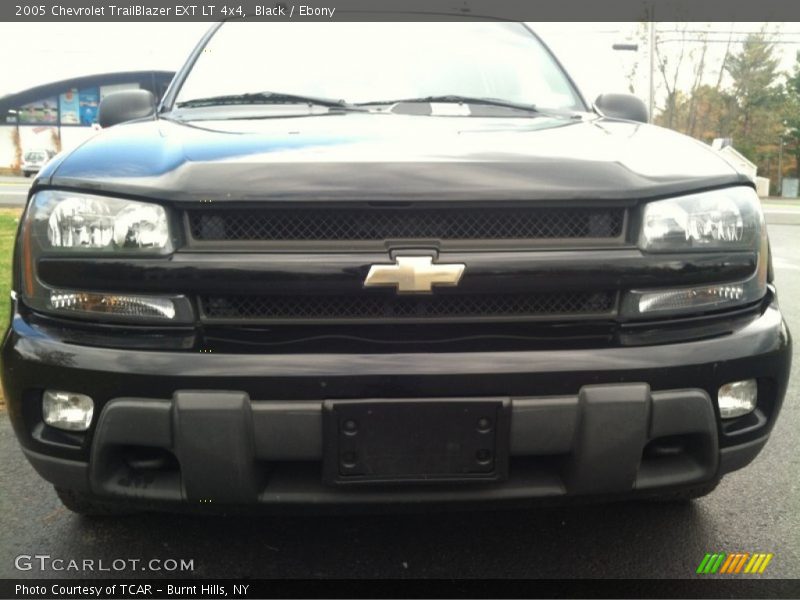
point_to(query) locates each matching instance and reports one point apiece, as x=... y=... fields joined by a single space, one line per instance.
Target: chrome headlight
x=726 y=219
x=83 y=221
x=60 y=224
x=723 y=220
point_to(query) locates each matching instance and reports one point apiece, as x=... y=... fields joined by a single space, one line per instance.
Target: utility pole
x=651 y=29
x=651 y=51
x=779 y=187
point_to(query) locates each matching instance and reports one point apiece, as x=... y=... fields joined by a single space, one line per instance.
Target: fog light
x=737 y=398
x=66 y=410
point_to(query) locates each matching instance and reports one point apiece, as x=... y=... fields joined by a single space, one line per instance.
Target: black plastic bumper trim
x=589 y=444
x=293 y=486
x=738 y=457
x=61 y=472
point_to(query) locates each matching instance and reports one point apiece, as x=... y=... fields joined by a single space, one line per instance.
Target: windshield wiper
x=455 y=98
x=264 y=98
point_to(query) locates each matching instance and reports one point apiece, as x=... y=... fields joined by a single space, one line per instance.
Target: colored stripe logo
x=734 y=563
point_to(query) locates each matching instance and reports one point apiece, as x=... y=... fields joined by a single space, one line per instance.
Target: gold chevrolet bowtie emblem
x=412 y=274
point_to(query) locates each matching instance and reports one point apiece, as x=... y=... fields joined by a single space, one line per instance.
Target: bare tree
x=670 y=76
x=698 y=81
x=725 y=58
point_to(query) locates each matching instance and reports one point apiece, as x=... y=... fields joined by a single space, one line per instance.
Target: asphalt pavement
x=753 y=510
x=13 y=190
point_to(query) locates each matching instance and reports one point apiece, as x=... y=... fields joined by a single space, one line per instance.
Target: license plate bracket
x=415 y=441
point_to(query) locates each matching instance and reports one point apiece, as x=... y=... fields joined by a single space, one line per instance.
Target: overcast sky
x=36 y=53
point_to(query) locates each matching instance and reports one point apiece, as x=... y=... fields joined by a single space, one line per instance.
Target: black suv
x=388 y=263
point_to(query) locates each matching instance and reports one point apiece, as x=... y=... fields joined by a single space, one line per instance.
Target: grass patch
x=9 y=218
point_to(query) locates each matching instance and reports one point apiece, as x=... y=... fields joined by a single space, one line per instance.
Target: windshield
x=373 y=62
x=34 y=156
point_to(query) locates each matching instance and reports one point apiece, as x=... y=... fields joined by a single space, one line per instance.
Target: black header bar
x=399 y=10
x=210 y=589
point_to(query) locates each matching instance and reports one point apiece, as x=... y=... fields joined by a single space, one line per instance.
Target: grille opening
x=385 y=307
x=364 y=224
x=665 y=447
x=676 y=460
x=155 y=473
x=139 y=459
x=406 y=336
x=686 y=451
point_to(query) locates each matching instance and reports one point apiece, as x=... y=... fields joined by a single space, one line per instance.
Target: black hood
x=358 y=156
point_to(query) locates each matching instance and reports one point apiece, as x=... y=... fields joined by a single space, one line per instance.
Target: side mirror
x=622 y=106
x=126 y=106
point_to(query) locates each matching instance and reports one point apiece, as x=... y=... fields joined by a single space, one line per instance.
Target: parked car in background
x=397 y=263
x=34 y=160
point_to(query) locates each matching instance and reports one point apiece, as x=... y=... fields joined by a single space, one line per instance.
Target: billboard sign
x=88 y=100
x=41 y=111
x=69 y=106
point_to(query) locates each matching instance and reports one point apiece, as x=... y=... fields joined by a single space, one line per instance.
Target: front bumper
x=248 y=428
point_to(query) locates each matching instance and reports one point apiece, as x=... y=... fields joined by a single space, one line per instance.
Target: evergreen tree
x=792 y=115
x=758 y=97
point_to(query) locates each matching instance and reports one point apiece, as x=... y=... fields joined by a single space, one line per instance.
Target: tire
x=90 y=506
x=27 y=174
x=688 y=494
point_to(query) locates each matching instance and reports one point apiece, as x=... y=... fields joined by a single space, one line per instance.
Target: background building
x=61 y=115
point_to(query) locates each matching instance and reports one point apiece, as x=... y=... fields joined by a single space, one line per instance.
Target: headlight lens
x=59 y=223
x=720 y=220
x=78 y=221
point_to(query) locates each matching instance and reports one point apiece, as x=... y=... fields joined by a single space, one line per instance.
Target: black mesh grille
x=382 y=307
x=378 y=224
